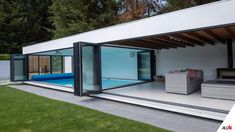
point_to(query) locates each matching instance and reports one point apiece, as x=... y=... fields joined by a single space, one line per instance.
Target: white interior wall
x=67 y=64
x=207 y=58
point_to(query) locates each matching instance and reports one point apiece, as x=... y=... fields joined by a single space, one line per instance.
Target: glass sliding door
x=144 y=65
x=119 y=67
x=90 y=80
x=87 y=68
x=33 y=65
x=19 y=69
x=44 y=65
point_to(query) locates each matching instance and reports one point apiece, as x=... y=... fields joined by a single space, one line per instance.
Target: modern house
x=180 y=61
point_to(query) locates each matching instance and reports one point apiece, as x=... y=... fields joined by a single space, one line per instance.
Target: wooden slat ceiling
x=183 y=39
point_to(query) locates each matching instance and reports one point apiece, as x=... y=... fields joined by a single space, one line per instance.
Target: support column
x=76 y=69
x=230 y=52
x=153 y=64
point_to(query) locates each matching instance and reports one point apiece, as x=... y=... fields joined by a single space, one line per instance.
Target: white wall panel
x=207 y=58
x=68 y=64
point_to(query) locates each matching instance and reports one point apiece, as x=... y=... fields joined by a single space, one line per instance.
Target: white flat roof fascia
x=208 y=15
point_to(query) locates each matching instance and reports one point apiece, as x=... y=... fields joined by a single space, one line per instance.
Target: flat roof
x=216 y=14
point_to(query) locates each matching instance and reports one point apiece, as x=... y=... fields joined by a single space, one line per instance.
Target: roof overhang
x=213 y=22
x=182 y=39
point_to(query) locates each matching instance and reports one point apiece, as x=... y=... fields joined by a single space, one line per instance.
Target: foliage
x=5 y=57
x=76 y=16
x=24 y=112
x=173 y=5
x=23 y=23
x=56 y=64
x=137 y=9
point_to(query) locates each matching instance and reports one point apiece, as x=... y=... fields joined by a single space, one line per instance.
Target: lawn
x=25 y=112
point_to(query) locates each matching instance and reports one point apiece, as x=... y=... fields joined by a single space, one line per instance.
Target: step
x=174 y=103
x=50 y=86
x=167 y=107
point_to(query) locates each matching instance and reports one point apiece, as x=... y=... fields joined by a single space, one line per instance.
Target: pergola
x=183 y=39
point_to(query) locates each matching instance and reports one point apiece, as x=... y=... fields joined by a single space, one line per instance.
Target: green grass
x=25 y=112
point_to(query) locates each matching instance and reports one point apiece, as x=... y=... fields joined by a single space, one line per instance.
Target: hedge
x=5 y=56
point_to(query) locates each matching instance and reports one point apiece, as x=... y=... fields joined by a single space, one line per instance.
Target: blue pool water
x=106 y=83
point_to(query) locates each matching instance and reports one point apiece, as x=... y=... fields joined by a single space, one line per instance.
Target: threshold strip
x=50 y=86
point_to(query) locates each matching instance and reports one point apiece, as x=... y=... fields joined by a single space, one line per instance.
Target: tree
x=136 y=9
x=76 y=16
x=23 y=23
x=4 y=57
x=173 y=5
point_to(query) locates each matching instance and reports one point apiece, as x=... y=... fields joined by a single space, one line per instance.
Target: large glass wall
x=124 y=66
x=50 y=62
x=119 y=67
x=44 y=65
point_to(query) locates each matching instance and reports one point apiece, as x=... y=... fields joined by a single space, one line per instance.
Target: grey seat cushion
x=215 y=83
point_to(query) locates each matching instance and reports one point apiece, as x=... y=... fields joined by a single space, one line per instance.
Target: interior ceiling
x=182 y=39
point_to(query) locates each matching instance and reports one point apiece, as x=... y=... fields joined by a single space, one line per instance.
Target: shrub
x=5 y=56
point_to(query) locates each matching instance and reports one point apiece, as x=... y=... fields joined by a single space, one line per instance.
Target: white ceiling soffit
x=208 y=15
